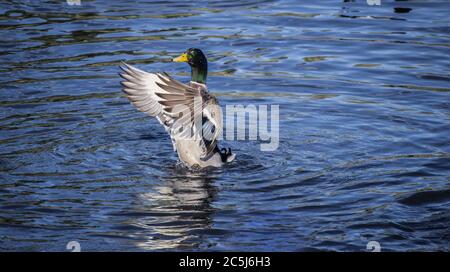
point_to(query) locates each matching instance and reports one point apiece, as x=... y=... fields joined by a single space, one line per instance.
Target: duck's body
x=190 y=154
x=188 y=112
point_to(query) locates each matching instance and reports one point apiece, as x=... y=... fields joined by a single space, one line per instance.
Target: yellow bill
x=182 y=58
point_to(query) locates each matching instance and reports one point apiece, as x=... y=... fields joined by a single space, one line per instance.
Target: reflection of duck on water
x=176 y=212
x=189 y=113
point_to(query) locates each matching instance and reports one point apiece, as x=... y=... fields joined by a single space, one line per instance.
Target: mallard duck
x=189 y=113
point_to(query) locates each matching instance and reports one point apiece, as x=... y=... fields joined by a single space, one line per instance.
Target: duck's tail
x=226 y=155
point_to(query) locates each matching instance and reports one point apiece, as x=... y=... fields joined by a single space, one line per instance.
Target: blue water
x=364 y=155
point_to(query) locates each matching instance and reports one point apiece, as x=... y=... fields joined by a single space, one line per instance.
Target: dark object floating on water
x=426 y=197
x=402 y=10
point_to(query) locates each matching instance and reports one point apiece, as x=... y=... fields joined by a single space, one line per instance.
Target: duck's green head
x=197 y=60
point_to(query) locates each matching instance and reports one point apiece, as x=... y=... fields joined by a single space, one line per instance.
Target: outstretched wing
x=196 y=113
x=140 y=88
x=186 y=111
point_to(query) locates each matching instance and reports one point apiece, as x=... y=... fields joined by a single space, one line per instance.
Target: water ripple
x=364 y=121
